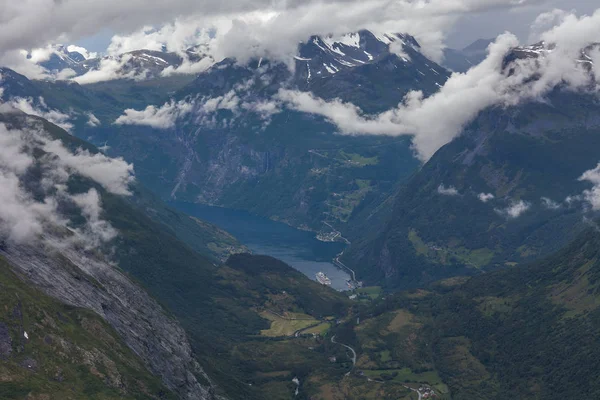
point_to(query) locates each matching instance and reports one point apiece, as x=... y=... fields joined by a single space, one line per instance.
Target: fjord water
x=300 y=249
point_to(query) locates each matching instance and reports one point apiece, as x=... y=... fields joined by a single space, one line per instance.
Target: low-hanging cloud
x=25 y=217
x=114 y=174
x=110 y=68
x=96 y=230
x=238 y=100
x=40 y=109
x=92 y=121
x=163 y=117
x=515 y=209
x=550 y=204
x=592 y=196
x=485 y=197
x=447 y=190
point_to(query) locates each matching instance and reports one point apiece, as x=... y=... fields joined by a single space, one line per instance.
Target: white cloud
x=544 y=22
x=203 y=109
x=82 y=50
x=550 y=204
x=516 y=209
x=189 y=67
x=265 y=109
x=27 y=62
x=485 y=197
x=28 y=106
x=163 y=117
x=21 y=217
x=114 y=174
x=110 y=68
x=17 y=60
x=25 y=218
x=96 y=230
x=41 y=54
x=92 y=120
x=65 y=74
x=592 y=195
x=229 y=101
x=447 y=191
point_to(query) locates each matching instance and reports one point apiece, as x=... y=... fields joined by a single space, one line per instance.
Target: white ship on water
x=323 y=279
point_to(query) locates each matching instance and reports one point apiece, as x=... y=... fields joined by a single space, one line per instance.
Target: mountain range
x=110 y=293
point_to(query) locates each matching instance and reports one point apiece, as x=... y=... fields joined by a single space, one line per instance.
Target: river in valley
x=300 y=249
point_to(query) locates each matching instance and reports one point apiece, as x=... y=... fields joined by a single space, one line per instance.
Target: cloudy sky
x=487 y=23
x=247 y=29
x=274 y=25
x=491 y=23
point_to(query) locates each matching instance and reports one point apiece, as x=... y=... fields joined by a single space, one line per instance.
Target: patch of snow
x=157 y=60
x=346 y=63
x=328 y=46
x=302 y=59
x=351 y=39
x=26 y=335
x=316 y=43
x=330 y=69
x=369 y=55
x=385 y=38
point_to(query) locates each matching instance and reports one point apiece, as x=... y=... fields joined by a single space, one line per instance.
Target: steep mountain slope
x=16 y=85
x=55 y=236
x=52 y=350
x=537 y=327
x=529 y=331
x=506 y=191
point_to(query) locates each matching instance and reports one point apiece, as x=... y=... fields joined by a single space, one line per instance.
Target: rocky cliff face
x=92 y=283
x=56 y=190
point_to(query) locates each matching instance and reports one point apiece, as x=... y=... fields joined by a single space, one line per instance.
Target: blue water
x=297 y=248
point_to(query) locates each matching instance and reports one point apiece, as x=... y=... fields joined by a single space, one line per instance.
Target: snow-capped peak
x=327 y=55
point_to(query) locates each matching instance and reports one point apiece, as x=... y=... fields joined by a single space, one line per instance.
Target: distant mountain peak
x=323 y=56
x=478 y=45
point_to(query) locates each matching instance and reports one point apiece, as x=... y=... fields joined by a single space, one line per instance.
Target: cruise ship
x=323 y=279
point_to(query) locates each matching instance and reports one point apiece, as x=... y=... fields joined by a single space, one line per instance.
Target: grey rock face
x=97 y=285
x=5 y=342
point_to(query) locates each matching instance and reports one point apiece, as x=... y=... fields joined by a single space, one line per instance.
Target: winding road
x=349 y=348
